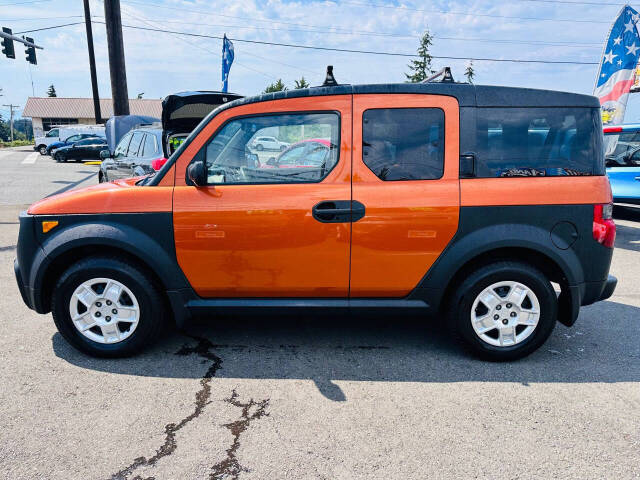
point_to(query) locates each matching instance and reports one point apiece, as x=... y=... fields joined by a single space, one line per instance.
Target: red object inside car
x=158 y=163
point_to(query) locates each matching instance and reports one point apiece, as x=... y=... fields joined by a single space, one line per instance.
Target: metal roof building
x=48 y=111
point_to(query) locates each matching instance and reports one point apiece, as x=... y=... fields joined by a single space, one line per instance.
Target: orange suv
x=487 y=206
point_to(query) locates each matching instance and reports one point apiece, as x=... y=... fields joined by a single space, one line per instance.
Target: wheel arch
x=85 y=240
x=519 y=242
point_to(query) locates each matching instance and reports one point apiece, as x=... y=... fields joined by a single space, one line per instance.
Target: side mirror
x=196 y=174
x=272 y=162
x=104 y=154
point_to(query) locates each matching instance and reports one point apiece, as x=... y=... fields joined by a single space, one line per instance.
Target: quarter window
x=532 y=142
x=232 y=156
x=404 y=143
x=121 y=149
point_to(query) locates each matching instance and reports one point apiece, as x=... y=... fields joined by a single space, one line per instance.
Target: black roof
x=468 y=95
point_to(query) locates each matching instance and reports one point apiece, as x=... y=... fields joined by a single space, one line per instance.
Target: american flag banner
x=617 y=70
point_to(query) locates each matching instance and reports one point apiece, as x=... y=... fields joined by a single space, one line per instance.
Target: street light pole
x=117 y=67
x=92 y=63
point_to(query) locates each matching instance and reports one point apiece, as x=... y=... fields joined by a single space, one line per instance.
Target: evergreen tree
x=421 y=68
x=278 y=86
x=302 y=83
x=51 y=92
x=470 y=72
x=4 y=130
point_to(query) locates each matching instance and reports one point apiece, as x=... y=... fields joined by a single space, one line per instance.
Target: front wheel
x=42 y=149
x=504 y=310
x=259 y=147
x=59 y=157
x=106 y=307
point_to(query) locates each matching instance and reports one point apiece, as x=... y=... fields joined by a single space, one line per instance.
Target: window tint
x=404 y=143
x=52 y=133
x=121 y=149
x=92 y=141
x=150 y=145
x=134 y=146
x=74 y=138
x=622 y=149
x=231 y=156
x=514 y=142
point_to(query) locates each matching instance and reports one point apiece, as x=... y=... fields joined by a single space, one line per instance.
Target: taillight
x=612 y=129
x=158 y=163
x=604 y=228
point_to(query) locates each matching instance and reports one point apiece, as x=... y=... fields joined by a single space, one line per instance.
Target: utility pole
x=92 y=63
x=117 y=67
x=11 y=108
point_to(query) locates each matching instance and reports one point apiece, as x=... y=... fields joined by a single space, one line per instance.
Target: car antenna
x=330 y=80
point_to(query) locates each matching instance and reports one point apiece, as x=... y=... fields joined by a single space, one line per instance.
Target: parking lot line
x=31 y=158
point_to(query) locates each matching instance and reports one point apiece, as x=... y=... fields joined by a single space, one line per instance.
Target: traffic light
x=30 y=51
x=7 y=44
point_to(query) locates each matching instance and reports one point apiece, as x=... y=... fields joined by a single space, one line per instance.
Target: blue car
x=622 y=154
x=51 y=149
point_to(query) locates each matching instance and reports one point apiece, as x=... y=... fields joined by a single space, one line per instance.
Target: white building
x=48 y=111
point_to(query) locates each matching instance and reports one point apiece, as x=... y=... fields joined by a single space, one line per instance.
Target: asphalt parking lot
x=328 y=396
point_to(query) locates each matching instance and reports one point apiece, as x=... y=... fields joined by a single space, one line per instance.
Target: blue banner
x=227 y=60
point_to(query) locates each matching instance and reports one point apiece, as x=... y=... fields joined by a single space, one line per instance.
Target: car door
x=127 y=163
x=113 y=165
x=259 y=231
x=406 y=177
x=625 y=177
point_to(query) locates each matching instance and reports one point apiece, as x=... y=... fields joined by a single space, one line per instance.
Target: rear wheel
x=107 y=308
x=259 y=147
x=42 y=149
x=504 y=311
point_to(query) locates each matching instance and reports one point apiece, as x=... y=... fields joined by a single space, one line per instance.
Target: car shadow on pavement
x=604 y=346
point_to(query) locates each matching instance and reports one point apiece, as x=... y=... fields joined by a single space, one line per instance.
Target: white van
x=61 y=133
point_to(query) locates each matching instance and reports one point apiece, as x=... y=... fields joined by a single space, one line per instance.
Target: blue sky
x=159 y=64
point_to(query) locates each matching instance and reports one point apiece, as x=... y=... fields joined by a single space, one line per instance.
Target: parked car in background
x=69 y=141
x=138 y=153
x=623 y=162
x=61 y=133
x=305 y=153
x=268 y=143
x=85 y=149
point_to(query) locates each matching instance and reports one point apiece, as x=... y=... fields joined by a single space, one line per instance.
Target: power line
x=472 y=14
x=558 y=43
x=437 y=12
x=369 y=52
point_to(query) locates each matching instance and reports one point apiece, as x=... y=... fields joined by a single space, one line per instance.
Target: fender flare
x=112 y=235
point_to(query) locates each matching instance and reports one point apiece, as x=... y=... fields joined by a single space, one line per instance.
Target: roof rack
x=445 y=73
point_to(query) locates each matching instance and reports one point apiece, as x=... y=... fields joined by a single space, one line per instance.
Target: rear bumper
x=596 y=291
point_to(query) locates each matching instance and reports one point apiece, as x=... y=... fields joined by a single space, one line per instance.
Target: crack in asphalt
x=203 y=350
x=230 y=467
x=8 y=248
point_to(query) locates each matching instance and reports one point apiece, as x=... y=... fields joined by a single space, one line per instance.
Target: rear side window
x=404 y=143
x=532 y=142
x=150 y=145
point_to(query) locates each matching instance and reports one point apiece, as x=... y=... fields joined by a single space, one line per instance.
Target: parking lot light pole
x=117 y=66
x=92 y=63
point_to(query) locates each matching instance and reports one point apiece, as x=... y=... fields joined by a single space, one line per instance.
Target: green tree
x=302 y=83
x=4 y=130
x=278 y=86
x=470 y=72
x=421 y=68
x=51 y=92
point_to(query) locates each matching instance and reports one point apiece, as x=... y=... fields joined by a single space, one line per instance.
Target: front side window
x=232 y=156
x=74 y=138
x=134 y=146
x=622 y=149
x=404 y=143
x=150 y=145
x=533 y=142
x=121 y=149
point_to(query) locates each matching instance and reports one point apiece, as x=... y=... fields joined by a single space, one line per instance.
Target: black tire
x=100 y=178
x=462 y=300
x=59 y=158
x=151 y=304
x=259 y=147
x=42 y=149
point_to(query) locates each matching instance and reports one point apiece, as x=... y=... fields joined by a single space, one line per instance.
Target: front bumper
x=21 y=286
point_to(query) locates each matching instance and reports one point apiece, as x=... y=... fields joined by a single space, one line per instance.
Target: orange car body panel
x=407 y=223
x=261 y=240
x=121 y=196
x=535 y=191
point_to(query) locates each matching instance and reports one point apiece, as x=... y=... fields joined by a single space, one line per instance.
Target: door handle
x=338 y=211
